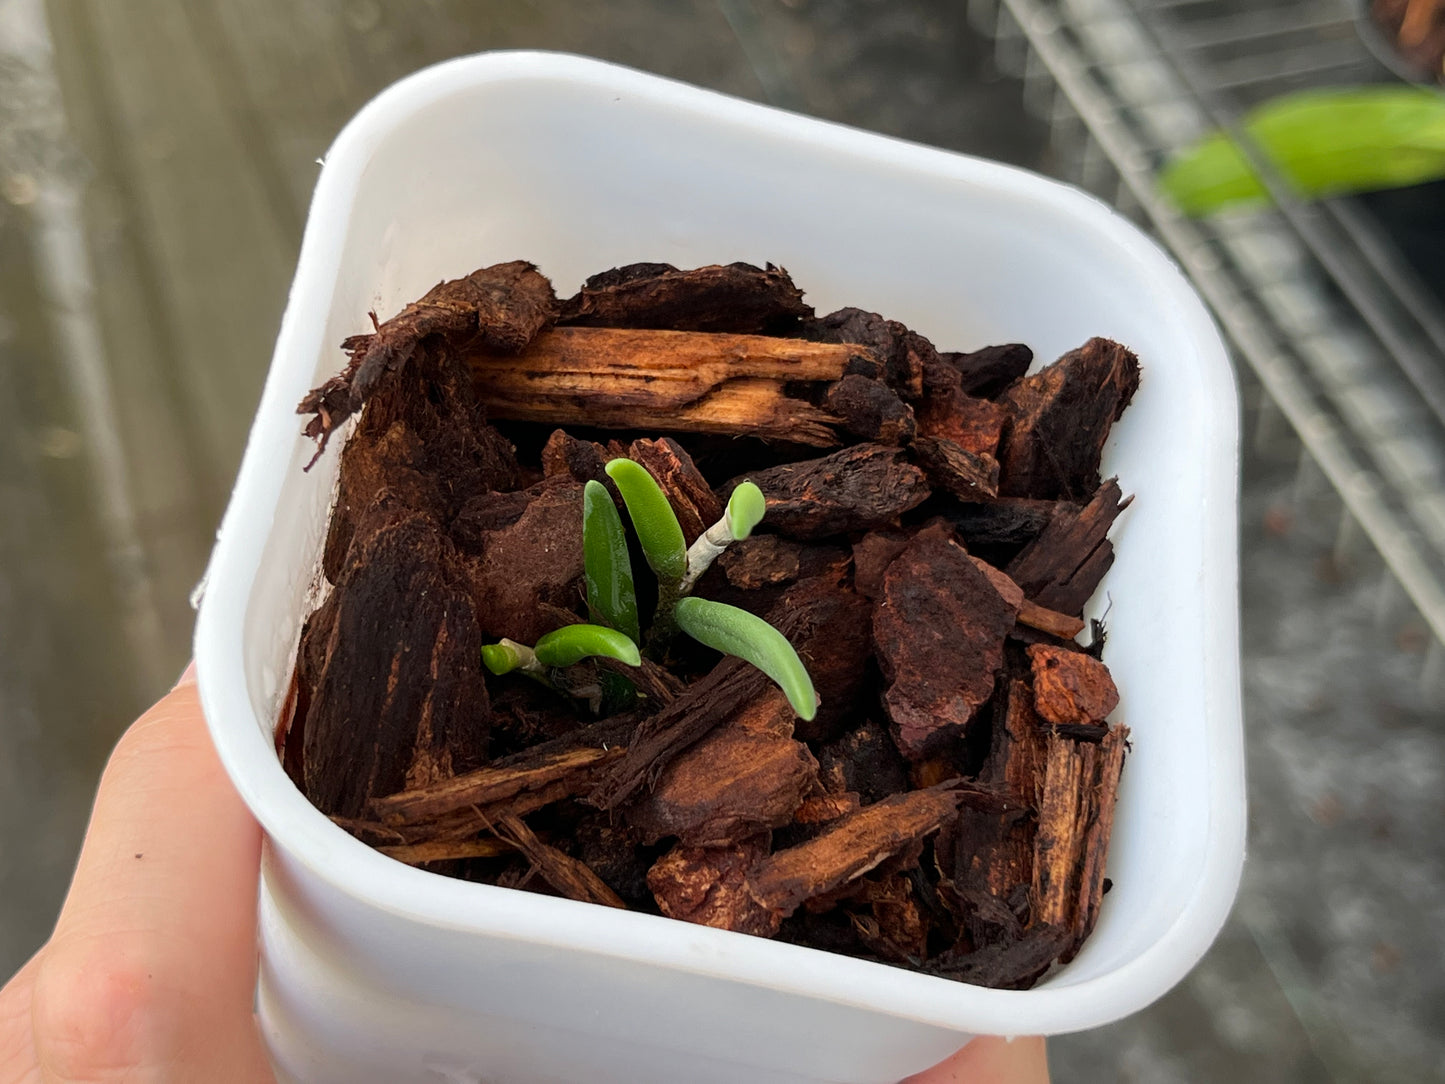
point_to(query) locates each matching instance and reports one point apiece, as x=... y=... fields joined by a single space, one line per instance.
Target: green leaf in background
x=1324 y=143
x=611 y=595
x=573 y=643
x=746 y=508
x=737 y=632
x=654 y=521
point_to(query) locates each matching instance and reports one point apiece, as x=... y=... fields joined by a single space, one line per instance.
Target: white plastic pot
x=374 y=971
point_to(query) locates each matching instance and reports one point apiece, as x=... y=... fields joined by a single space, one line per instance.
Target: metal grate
x=1345 y=341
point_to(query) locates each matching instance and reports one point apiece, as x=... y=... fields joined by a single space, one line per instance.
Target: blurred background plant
x=1334 y=142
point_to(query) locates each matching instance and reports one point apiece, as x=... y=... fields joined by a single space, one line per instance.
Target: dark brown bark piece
x=613 y=852
x=487 y=513
x=1071 y=687
x=603 y=734
x=864 y=760
x=569 y=876
x=872 y=554
x=499 y=309
x=536 y=560
x=746 y=776
x=1059 y=419
x=1014 y=965
x=851 y=847
x=991 y=370
x=709 y=886
x=902 y=353
x=757 y=572
x=1010 y=592
x=871 y=410
x=855 y=489
x=733 y=297
x=822 y=808
x=1007 y=521
x=564 y=456
x=404 y=654
x=311 y=656
x=947 y=413
x=763 y=560
x=1029 y=613
x=895 y=927
x=707 y=703
x=950 y=466
x=1076 y=816
x=697 y=507
x=680 y=381
x=939 y=628
x=834 y=641
x=988 y=858
x=1062 y=567
x=394 y=461
x=425 y=440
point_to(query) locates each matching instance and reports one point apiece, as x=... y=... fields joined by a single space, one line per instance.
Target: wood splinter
x=489 y=785
x=686 y=381
x=573 y=878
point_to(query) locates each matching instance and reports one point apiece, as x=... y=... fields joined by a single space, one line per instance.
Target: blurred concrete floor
x=156 y=159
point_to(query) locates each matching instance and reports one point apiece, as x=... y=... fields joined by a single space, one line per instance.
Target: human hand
x=989 y=1060
x=151 y=971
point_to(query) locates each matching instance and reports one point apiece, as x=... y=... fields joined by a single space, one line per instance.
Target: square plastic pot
x=375 y=971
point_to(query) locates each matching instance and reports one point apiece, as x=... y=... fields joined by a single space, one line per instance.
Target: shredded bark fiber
x=935 y=527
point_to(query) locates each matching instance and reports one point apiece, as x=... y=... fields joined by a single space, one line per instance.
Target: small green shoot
x=745 y=511
x=611 y=594
x=746 y=508
x=566 y=646
x=737 y=632
x=653 y=519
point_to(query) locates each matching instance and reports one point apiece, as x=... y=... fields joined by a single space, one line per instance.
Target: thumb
x=151 y=970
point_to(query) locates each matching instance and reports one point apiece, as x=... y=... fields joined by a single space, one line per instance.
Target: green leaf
x=737 y=632
x=573 y=643
x=1323 y=142
x=611 y=596
x=500 y=658
x=746 y=508
x=653 y=519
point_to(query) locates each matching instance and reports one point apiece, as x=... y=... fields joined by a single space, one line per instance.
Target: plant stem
x=527 y=661
x=664 y=624
x=702 y=553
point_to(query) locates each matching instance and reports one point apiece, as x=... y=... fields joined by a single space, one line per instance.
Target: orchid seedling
x=678 y=568
x=612 y=595
x=565 y=647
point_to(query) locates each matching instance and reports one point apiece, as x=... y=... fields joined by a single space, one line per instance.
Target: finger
x=151 y=970
x=990 y=1060
x=17 y=1051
